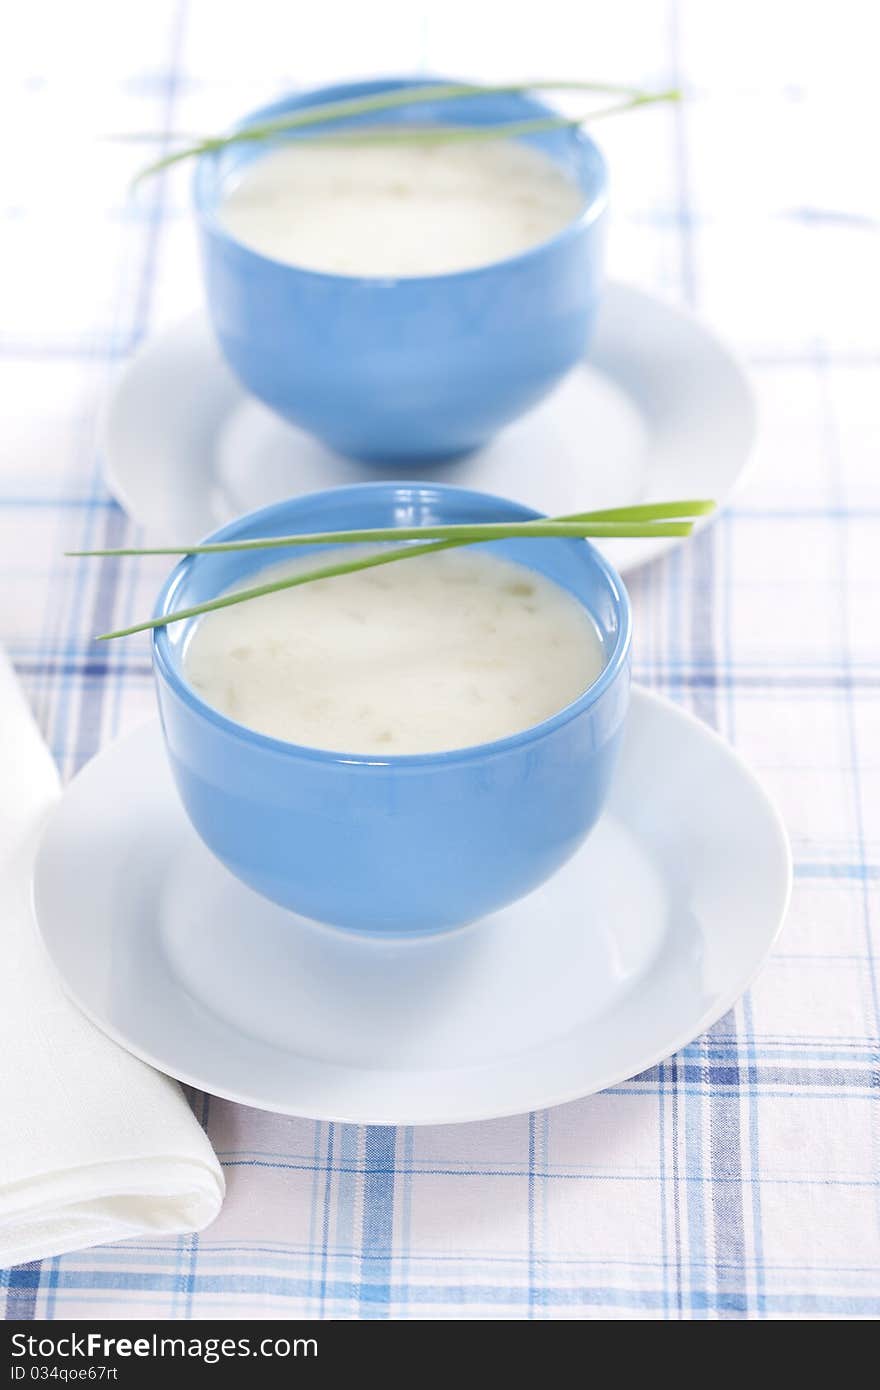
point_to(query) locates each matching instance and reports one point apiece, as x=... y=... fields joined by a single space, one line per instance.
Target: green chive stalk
x=644 y=520
x=293 y=122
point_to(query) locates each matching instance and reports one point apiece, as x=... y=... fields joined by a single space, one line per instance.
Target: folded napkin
x=95 y=1145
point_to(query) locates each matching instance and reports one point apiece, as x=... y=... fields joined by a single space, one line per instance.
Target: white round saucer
x=659 y=410
x=641 y=942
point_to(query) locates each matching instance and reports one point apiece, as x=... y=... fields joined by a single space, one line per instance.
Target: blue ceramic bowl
x=417 y=368
x=406 y=844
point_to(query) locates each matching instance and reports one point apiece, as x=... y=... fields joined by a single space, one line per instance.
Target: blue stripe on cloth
x=325 y=1223
x=530 y=1214
x=346 y=1194
x=700 y=1296
x=378 y=1219
x=22 y=1284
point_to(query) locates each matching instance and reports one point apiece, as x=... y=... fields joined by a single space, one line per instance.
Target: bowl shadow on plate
x=526 y=976
x=259 y=459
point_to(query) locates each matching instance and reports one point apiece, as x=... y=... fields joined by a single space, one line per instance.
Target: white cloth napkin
x=95 y=1146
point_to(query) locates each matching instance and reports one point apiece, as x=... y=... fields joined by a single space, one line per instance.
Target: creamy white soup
x=393 y=210
x=419 y=656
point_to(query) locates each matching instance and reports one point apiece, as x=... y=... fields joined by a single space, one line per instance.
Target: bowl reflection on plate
x=407 y=844
x=415 y=368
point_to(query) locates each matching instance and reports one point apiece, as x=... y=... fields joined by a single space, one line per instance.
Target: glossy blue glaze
x=417 y=368
x=404 y=844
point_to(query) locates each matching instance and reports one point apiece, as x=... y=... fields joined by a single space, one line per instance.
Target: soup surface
x=398 y=209
x=438 y=652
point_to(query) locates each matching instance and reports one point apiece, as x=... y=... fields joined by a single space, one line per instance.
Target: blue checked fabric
x=740 y=1178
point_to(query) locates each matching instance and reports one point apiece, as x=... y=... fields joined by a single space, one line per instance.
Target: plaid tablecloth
x=740 y=1178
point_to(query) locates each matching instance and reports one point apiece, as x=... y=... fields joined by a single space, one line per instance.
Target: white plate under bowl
x=659 y=410
x=641 y=942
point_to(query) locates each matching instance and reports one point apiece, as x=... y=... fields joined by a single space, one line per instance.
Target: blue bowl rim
x=168 y=670
x=206 y=211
